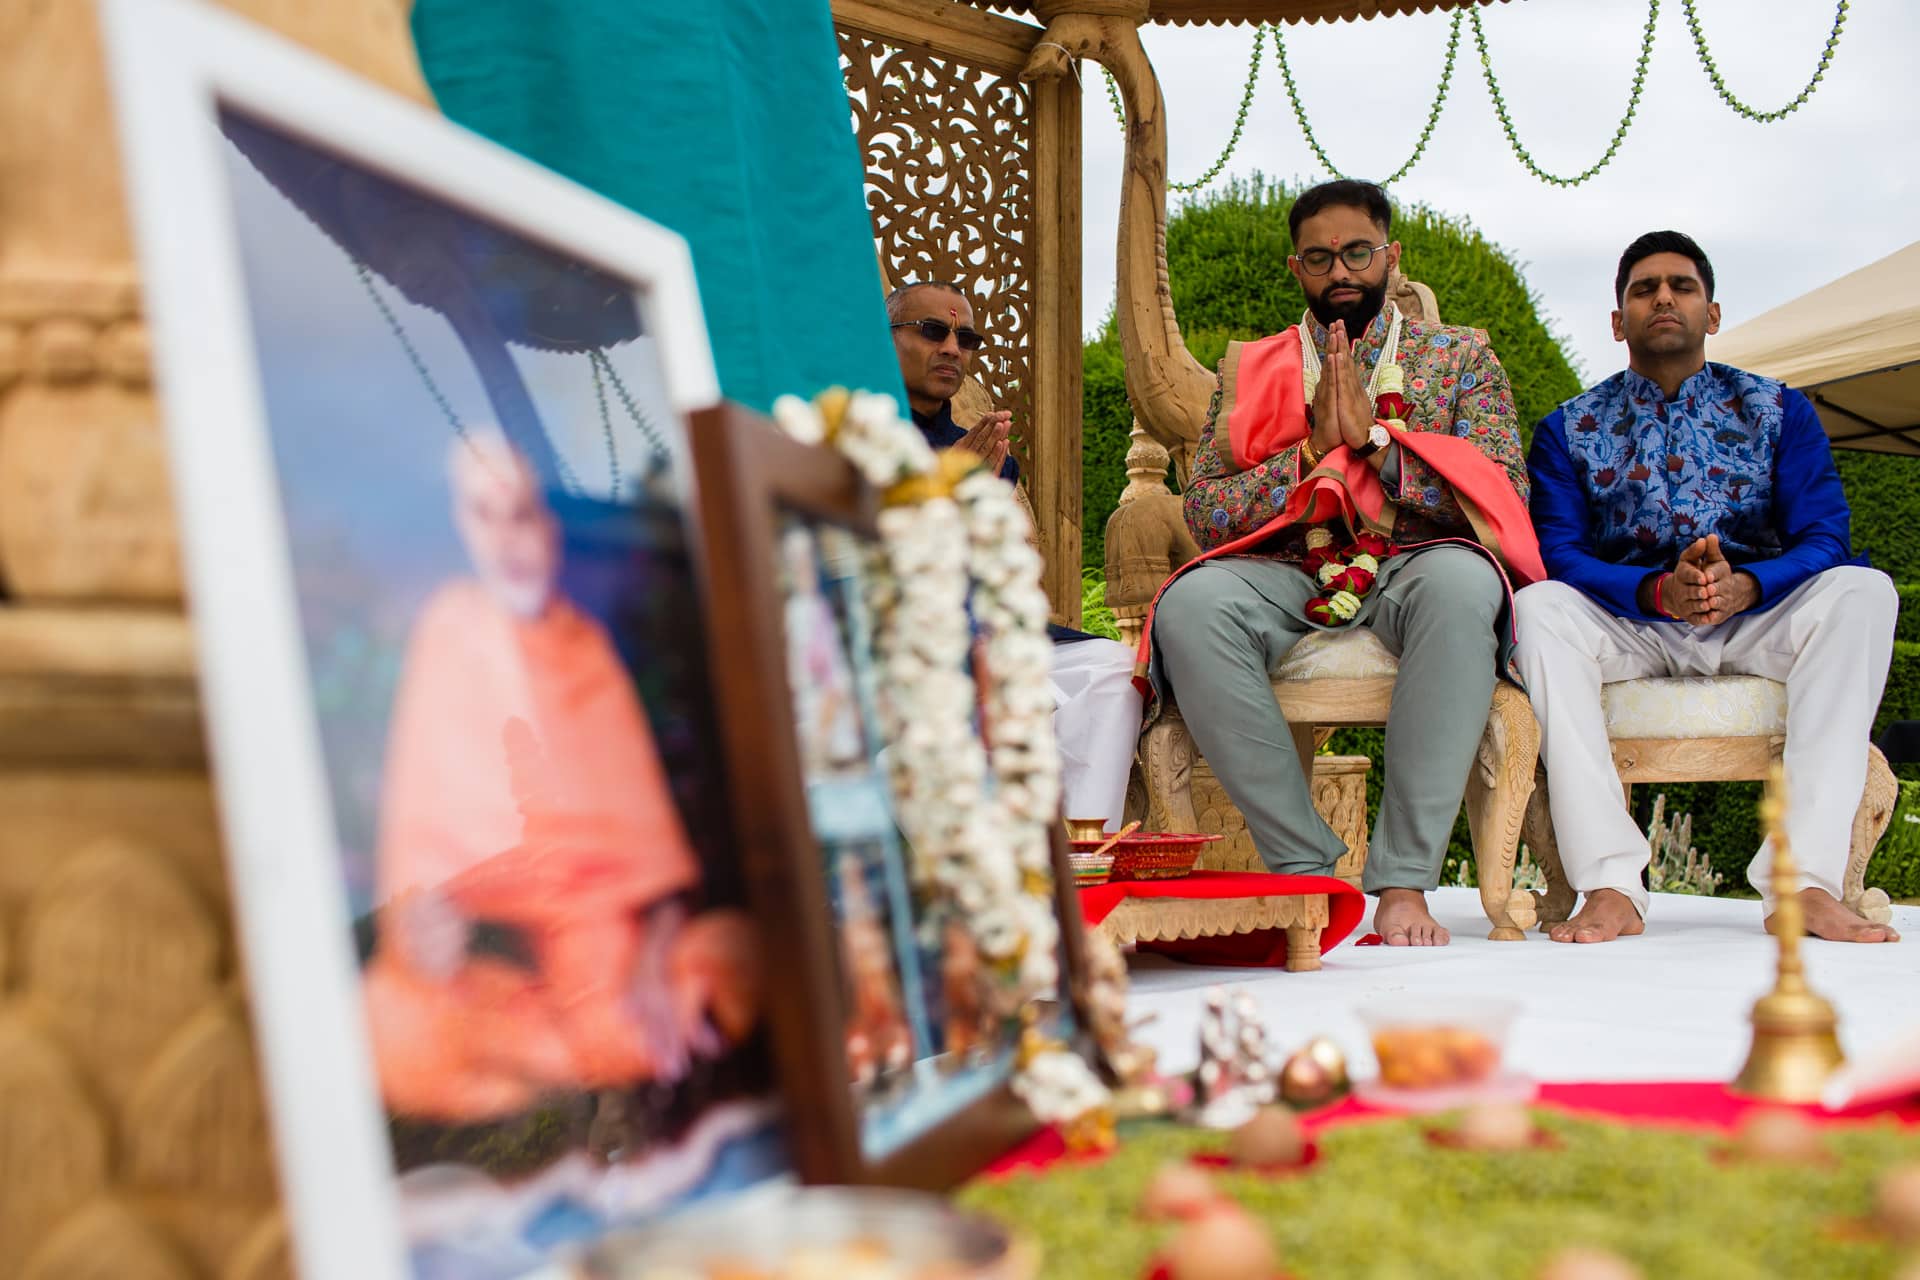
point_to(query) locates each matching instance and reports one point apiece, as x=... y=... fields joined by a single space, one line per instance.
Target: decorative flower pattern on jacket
x=1454 y=383
x=1660 y=473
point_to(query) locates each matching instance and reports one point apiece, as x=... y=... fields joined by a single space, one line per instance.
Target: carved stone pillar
x=84 y=507
x=133 y=1140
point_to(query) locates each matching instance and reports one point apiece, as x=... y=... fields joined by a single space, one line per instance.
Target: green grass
x=1383 y=1203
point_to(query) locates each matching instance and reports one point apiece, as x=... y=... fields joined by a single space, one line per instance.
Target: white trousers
x=1097 y=722
x=1830 y=642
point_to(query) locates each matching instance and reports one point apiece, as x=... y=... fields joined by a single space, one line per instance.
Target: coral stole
x=1263 y=410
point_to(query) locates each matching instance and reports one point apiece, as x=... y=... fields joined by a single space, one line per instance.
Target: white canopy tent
x=1853 y=346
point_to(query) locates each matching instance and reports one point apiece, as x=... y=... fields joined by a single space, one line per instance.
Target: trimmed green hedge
x=1106 y=418
x=1226 y=261
x=1896 y=863
x=1884 y=492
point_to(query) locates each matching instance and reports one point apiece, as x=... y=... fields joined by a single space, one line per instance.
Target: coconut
x=1896 y=1205
x=1271 y=1139
x=1177 y=1190
x=1776 y=1134
x=1224 y=1243
x=1495 y=1126
x=1588 y=1264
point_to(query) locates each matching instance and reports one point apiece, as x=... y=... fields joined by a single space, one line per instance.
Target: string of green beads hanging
x=1726 y=94
x=1426 y=133
x=1239 y=121
x=1707 y=63
x=1619 y=133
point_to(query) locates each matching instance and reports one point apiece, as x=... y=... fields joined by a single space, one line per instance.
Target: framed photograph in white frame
x=427 y=408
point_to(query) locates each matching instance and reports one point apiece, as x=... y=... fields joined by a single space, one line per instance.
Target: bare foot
x=1402 y=920
x=1827 y=917
x=1607 y=914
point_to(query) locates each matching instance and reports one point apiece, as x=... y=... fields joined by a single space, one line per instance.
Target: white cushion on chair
x=1695 y=707
x=1338 y=654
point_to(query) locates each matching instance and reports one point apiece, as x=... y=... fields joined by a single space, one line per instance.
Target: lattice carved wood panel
x=948 y=149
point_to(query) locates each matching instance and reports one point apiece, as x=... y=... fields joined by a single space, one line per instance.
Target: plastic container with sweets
x=1438 y=1052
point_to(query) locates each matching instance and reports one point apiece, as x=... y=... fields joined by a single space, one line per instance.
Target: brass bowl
x=1086 y=828
x=766 y=1230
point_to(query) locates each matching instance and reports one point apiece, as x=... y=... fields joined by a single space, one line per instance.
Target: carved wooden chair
x=1330 y=680
x=1707 y=729
x=1337 y=679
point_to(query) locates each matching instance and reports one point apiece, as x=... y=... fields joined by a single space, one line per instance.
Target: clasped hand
x=1342 y=413
x=1705 y=589
x=990 y=438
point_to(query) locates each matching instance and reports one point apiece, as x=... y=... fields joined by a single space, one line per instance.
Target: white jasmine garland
x=986 y=849
x=1059 y=1087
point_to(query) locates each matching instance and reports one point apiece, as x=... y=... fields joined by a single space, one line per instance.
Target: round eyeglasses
x=1356 y=257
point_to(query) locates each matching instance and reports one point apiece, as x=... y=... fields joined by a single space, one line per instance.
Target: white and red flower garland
x=1345 y=574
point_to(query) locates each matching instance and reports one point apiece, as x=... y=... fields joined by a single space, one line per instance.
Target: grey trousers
x=1224 y=627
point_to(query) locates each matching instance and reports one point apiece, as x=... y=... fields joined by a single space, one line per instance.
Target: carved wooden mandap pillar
x=973 y=176
x=133 y=1140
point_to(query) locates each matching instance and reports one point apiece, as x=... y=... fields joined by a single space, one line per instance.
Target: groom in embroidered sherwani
x=1315 y=426
x=1694 y=524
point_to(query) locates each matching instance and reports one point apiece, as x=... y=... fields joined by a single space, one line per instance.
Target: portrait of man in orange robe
x=534 y=877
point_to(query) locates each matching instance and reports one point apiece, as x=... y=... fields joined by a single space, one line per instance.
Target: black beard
x=1358 y=314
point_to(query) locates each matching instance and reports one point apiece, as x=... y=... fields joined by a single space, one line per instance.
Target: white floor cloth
x=1671 y=1004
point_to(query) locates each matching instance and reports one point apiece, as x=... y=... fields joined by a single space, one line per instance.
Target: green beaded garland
x=1499 y=99
x=1726 y=94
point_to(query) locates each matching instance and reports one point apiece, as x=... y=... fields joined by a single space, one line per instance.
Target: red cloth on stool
x=1261 y=948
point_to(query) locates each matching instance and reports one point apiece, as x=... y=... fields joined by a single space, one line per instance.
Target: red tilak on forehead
x=953 y=314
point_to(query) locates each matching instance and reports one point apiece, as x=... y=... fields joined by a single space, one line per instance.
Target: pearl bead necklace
x=1386 y=370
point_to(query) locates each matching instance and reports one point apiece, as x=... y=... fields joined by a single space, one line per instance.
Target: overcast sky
x=1780 y=208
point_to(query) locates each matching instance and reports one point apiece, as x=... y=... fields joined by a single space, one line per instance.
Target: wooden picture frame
x=749 y=473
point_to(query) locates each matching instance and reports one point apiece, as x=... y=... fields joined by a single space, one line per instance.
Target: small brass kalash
x=1795 y=1041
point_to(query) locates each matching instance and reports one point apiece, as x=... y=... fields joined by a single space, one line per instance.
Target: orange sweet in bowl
x=1430 y=1057
x=1438 y=1043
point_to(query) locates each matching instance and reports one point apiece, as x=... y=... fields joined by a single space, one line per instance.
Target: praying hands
x=990 y=439
x=1342 y=411
x=1704 y=589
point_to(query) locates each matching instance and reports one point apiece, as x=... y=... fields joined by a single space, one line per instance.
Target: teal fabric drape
x=725 y=120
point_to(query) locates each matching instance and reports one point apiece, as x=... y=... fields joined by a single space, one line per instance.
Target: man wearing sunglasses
x=934 y=337
x=1355 y=420
x=1096 y=717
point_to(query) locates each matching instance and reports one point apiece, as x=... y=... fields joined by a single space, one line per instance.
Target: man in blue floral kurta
x=1437 y=602
x=1694 y=524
